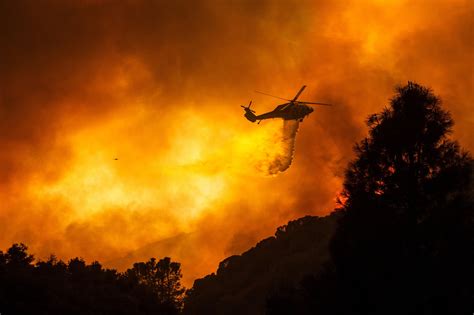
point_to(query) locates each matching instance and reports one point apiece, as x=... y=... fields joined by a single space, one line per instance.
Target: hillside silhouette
x=242 y=282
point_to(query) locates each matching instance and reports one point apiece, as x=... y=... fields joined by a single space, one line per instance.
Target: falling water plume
x=279 y=160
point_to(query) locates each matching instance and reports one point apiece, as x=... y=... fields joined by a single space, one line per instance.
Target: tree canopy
x=75 y=287
x=163 y=277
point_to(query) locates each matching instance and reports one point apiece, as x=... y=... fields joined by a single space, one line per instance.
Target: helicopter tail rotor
x=249 y=113
x=247 y=108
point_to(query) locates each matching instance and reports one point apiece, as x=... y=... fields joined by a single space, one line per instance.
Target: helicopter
x=294 y=110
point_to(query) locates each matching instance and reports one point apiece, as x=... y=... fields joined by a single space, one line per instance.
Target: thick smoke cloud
x=158 y=84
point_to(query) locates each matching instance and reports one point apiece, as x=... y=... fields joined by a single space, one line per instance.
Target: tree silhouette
x=163 y=277
x=404 y=242
x=55 y=287
x=405 y=155
x=407 y=220
x=17 y=256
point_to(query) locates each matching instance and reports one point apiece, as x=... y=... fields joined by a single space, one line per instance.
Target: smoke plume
x=280 y=158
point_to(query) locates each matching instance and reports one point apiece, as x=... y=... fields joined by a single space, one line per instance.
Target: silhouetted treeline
x=403 y=242
x=56 y=287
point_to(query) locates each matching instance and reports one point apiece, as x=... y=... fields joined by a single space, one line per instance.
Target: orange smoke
x=158 y=86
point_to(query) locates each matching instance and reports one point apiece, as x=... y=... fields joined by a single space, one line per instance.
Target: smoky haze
x=158 y=85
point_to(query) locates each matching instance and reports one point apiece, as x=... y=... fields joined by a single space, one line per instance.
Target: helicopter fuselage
x=288 y=111
x=293 y=110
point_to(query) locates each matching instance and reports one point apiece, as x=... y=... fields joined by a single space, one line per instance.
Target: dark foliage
x=242 y=282
x=405 y=240
x=162 y=277
x=55 y=287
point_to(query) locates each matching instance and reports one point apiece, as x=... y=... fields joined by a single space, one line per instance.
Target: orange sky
x=158 y=85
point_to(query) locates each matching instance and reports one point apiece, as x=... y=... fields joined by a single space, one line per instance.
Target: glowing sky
x=159 y=85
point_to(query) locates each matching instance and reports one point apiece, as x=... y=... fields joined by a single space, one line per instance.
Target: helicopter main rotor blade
x=273 y=96
x=299 y=92
x=314 y=103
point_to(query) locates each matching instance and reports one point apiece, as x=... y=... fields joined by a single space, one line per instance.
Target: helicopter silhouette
x=294 y=110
